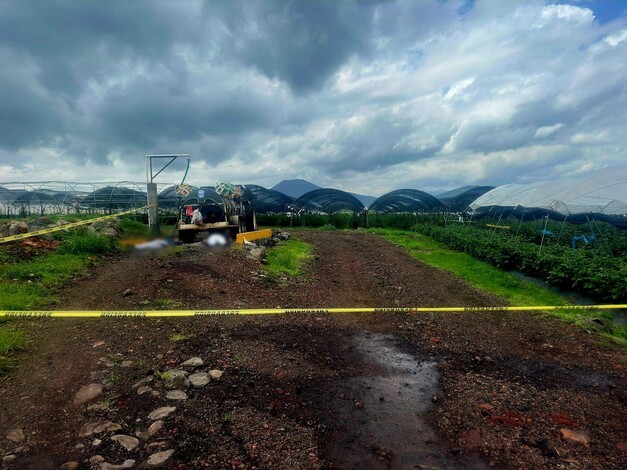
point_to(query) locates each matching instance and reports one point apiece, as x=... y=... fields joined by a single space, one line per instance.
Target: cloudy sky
x=361 y=95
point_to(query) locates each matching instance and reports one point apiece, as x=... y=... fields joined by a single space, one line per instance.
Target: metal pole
x=546 y=221
x=153 y=208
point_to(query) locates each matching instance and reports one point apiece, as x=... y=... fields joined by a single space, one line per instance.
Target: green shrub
x=86 y=243
x=591 y=272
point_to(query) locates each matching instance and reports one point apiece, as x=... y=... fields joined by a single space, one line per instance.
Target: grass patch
x=15 y=296
x=45 y=272
x=491 y=279
x=134 y=229
x=54 y=218
x=27 y=285
x=11 y=340
x=164 y=304
x=178 y=337
x=288 y=258
x=87 y=243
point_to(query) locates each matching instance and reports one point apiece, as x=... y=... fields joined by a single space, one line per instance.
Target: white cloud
x=570 y=13
x=546 y=131
x=590 y=137
x=615 y=39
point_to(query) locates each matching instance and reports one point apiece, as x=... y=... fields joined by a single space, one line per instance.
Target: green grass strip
x=288 y=258
x=491 y=279
x=29 y=284
x=11 y=340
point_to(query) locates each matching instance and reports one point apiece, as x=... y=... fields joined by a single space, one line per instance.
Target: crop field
x=310 y=389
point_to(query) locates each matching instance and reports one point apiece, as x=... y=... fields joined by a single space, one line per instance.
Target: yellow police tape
x=279 y=311
x=44 y=231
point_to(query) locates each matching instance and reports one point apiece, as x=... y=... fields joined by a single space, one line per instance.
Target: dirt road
x=473 y=390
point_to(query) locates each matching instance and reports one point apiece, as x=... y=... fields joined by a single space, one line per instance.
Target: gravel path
x=504 y=390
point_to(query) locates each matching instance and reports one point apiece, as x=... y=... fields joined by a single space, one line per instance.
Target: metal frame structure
x=152 y=193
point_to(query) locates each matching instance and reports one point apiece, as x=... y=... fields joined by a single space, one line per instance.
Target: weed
x=84 y=242
x=105 y=403
x=11 y=340
x=167 y=378
x=177 y=337
x=288 y=258
x=117 y=360
x=227 y=418
x=166 y=304
x=114 y=377
x=134 y=228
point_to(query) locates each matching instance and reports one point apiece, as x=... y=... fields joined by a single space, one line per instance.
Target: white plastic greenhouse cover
x=602 y=192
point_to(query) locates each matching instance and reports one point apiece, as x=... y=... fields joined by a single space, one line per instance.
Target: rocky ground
x=472 y=390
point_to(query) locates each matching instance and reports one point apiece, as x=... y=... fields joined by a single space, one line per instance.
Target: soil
x=389 y=391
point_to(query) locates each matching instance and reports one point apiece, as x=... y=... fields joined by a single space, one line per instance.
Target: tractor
x=226 y=210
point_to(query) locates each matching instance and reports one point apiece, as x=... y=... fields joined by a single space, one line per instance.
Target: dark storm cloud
x=28 y=113
x=72 y=41
x=73 y=47
x=374 y=143
x=299 y=42
x=146 y=113
x=53 y=50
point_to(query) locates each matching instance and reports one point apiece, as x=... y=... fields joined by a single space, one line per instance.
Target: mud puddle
x=383 y=413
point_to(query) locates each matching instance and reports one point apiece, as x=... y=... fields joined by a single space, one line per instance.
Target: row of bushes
x=342 y=220
x=589 y=272
x=345 y=220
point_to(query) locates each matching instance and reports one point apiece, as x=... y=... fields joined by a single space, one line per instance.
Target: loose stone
x=199 y=380
x=69 y=466
x=15 y=435
x=128 y=442
x=87 y=394
x=155 y=427
x=161 y=412
x=142 y=382
x=176 y=395
x=109 y=466
x=159 y=458
x=193 y=362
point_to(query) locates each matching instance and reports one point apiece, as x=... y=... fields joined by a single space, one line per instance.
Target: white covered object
x=603 y=192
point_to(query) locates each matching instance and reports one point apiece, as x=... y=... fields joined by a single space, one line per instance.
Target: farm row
x=590 y=259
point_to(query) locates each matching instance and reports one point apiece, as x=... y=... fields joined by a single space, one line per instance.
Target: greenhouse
x=267 y=200
x=168 y=199
x=459 y=199
x=407 y=200
x=115 y=197
x=327 y=201
x=604 y=192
